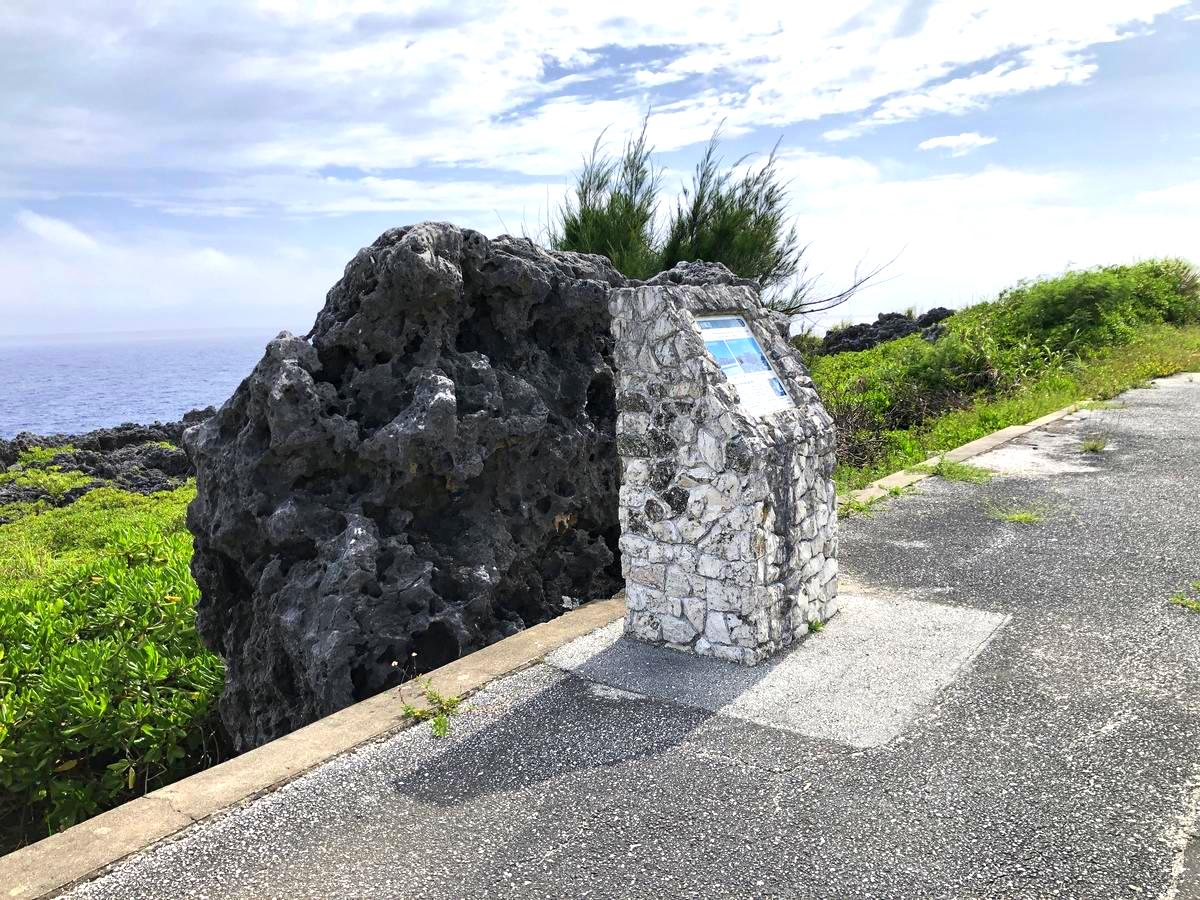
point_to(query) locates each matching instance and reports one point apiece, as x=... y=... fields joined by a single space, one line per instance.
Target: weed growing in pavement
x=437 y=709
x=1189 y=602
x=957 y=471
x=1093 y=444
x=1018 y=515
x=852 y=506
x=816 y=626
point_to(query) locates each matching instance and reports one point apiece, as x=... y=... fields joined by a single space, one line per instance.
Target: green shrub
x=38 y=456
x=1037 y=332
x=105 y=689
x=731 y=213
x=1155 y=351
x=612 y=212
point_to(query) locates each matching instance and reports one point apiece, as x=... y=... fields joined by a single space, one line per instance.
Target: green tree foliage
x=613 y=209
x=732 y=214
x=740 y=221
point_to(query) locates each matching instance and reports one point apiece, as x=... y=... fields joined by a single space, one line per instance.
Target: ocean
x=72 y=384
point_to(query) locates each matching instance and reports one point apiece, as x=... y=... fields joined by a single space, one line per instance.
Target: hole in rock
x=601 y=398
x=435 y=646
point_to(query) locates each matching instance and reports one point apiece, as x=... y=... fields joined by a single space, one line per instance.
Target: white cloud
x=957 y=144
x=57 y=232
x=299 y=85
x=1185 y=195
x=962 y=238
x=257 y=111
x=55 y=282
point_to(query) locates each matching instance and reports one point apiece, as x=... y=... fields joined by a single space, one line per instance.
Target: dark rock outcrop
x=887 y=327
x=432 y=469
x=934 y=316
x=140 y=458
x=104 y=440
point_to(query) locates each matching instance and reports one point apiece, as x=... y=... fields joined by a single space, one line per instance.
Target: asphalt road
x=1049 y=745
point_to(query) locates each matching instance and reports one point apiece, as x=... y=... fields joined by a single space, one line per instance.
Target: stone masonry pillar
x=727 y=507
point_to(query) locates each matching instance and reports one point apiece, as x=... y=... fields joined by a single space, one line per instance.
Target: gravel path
x=1057 y=756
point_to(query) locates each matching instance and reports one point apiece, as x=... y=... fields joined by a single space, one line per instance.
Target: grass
x=1189 y=602
x=958 y=471
x=1154 y=352
x=816 y=626
x=852 y=506
x=1093 y=444
x=1017 y=515
x=436 y=709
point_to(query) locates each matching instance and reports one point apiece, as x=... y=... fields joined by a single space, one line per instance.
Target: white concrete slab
x=1043 y=454
x=860 y=681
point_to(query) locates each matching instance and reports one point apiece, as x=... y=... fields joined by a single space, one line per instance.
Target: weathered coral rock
x=432 y=469
x=887 y=327
x=139 y=458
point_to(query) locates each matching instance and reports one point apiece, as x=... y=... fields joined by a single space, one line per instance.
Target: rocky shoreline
x=142 y=459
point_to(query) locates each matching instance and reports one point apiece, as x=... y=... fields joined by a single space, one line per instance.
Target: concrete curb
x=881 y=487
x=83 y=851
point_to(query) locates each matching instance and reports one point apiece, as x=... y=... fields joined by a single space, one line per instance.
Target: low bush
x=1000 y=363
x=105 y=689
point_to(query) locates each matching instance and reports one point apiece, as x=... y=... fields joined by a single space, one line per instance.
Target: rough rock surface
x=139 y=458
x=887 y=327
x=729 y=522
x=431 y=470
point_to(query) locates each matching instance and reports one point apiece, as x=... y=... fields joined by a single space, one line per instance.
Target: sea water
x=71 y=384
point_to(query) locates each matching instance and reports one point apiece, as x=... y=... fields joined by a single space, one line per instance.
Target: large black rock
x=887 y=327
x=430 y=470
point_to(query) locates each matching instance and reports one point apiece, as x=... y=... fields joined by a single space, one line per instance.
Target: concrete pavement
x=1000 y=710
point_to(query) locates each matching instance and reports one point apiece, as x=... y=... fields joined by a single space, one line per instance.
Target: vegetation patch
x=958 y=471
x=1039 y=347
x=1017 y=515
x=435 y=708
x=41 y=456
x=1188 y=599
x=1093 y=444
x=852 y=506
x=105 y=689
x=50 y=480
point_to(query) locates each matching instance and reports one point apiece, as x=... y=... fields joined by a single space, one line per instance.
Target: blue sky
x=211 y=165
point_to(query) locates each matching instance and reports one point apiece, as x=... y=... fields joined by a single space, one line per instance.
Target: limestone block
x=729 y=493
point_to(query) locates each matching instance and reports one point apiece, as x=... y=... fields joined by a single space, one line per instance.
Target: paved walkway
x=1000 y=710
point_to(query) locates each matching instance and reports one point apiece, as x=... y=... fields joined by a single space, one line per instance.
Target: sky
x=210 y=165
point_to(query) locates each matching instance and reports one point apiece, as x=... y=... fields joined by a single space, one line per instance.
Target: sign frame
x=732 y=344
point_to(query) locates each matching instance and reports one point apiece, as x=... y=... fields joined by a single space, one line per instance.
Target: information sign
x=740 y=357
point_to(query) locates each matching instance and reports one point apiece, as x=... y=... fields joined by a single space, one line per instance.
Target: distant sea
x=72 y=384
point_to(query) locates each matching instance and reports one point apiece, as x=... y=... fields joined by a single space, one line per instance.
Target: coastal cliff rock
x=143 y=459
x=430 y=470
x=887 y=327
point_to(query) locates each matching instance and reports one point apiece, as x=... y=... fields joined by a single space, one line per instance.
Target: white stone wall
x=728 y=521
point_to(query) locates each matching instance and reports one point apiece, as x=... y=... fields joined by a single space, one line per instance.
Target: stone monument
x=727 y=507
